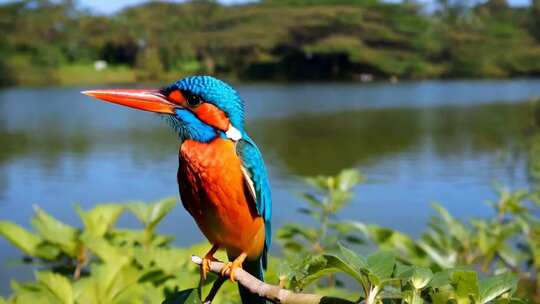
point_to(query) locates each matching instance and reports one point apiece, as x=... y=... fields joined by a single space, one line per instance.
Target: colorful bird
x=221 y=176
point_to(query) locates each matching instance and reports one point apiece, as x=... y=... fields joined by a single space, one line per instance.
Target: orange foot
x=232 y=266
x=209 y=257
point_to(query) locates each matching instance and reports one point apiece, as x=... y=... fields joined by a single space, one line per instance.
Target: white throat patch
x=233 y=133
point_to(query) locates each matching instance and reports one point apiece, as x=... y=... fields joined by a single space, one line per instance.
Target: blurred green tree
x=148 y=65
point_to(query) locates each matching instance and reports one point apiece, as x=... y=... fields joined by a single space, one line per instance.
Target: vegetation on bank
x=80 y=73
x=45 y=42
x=491 y=260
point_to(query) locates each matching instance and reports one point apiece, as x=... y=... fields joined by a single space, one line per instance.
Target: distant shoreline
x=296 y=40
x=85 y=75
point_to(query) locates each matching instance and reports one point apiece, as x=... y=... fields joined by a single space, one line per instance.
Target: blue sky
x=112 y=6
x=108 y=6
x=104 y=6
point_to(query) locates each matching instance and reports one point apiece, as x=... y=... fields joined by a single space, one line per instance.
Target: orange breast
x=213 y=191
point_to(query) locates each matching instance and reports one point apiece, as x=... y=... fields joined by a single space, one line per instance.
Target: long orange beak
x=147 y=100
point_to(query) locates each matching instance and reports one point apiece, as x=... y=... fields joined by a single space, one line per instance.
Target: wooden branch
x=270 y=292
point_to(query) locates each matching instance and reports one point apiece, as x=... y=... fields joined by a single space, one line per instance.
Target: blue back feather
x=254 y=164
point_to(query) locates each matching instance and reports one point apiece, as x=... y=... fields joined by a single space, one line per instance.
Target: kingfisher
x=221 y=176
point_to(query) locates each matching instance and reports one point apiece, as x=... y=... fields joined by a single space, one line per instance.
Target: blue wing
x=254 y=164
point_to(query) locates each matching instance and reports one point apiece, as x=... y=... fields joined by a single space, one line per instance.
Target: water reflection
x=305 y=144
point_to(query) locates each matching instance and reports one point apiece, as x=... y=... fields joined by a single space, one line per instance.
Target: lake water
x=416 y=142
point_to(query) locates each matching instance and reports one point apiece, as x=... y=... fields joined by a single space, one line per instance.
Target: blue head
x=208 y=107
x=198 y=107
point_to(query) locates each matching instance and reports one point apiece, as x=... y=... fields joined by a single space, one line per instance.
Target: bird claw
x=205 y=265
x=231 y=268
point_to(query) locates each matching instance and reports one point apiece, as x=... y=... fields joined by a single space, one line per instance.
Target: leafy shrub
x=330 y=195
x=507 y=242
x=101 y=263
x=383 y=278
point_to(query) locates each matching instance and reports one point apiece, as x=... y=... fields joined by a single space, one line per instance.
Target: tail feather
x=255 y=269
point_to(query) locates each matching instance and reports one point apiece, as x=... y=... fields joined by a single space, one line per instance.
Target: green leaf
x=154 y=276
x=510 y=255
x=320 y=182
x=48 y=251
x=455 y=228
x=442 y=296
x=441 y=279
x=442 y=259
x=381 y=264
x=20 y=237
x=132 y=237
x=110 y=283
x=404 y=272
x=418 y=276
x=466 y=285
x=106 y=252
x=305 y=269
x=188 y=296
x=311 y=199
x=56 y=232
x=310 y=268
x=338 y=199
x=151 y=214
x=335 y=263
x=100 y=219
x=355 y=261
x=492 y=287
x=390 y=292
x=86 y=290
x=169 y=260
x=388 y=239
x=56 y=287
x=289 y=231
x=29 y=293
x=140 y=210
x=293 y=246
x=347 y=179
x=421 y=277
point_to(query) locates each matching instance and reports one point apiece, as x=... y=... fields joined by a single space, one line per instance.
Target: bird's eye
x=192 y=99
